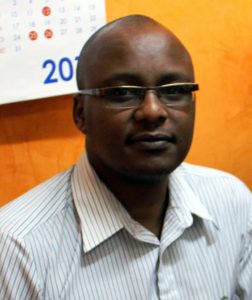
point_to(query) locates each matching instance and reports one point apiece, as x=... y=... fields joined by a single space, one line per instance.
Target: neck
x=147 y=205
x=146 y=201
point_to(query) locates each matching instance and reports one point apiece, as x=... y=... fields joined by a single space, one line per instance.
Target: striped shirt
x=70 y=238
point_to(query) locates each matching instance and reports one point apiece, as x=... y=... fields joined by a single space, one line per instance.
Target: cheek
x=105 y=127
x=184 y=123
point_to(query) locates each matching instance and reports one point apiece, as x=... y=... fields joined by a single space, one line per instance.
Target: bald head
x=118 y=36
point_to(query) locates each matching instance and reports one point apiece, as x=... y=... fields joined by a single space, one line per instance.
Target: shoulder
x=218 y=179
x=37 y=206
x=198 y=170
x=223 y=194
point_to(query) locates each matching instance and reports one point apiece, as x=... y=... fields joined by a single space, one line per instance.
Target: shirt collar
x=102 y=215
x=184 y=198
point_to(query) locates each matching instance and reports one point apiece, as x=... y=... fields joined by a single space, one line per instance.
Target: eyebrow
x=174 y=77
x=134 y=78
x=124 y=77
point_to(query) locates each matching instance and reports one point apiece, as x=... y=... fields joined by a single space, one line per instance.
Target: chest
x=124 y=268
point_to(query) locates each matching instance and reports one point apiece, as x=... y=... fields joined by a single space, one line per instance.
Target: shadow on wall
x=37 y=120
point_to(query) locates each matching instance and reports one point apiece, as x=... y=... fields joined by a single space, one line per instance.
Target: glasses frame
x=103 y=92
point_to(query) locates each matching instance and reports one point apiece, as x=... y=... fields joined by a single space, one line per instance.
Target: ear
x=79 y=112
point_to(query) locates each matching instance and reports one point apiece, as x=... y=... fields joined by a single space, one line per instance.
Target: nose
x=151 y=109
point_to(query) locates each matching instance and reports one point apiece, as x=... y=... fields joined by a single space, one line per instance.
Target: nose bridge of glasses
x=150 y=93
x=150 y=107
x=151 y=99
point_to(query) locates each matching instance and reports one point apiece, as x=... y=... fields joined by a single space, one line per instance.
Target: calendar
x=40 y=41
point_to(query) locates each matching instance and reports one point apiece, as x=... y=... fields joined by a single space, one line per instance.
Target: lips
x=152 y=141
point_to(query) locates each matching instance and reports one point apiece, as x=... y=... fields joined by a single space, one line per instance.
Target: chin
x=148 y=174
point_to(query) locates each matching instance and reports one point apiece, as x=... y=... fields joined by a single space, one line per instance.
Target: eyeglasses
x=120 y=97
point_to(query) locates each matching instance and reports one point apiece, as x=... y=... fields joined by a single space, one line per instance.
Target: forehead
x=146 y=55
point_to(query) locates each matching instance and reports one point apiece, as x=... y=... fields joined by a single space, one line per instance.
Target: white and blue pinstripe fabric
x=69 y=238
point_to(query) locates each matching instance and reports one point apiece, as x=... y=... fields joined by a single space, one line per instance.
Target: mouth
x=152 y=141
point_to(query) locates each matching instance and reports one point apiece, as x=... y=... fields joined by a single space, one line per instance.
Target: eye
x=123 y=92
x=177 y=90
x=171 y=93
x=120 y=94
x=176 y=95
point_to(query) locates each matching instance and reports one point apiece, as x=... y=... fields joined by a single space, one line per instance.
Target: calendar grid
x=47 y=36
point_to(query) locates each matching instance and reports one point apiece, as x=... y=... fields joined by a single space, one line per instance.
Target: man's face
x=150 y=140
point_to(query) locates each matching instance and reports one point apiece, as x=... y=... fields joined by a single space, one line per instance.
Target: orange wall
x=38 y=138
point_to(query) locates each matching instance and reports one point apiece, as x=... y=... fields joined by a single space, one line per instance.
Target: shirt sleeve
x=244 y=281
x=18 y=278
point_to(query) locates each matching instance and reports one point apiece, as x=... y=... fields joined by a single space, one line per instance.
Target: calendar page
x=40 y=41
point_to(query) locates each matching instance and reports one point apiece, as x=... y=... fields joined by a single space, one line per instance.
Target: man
x=129 y=221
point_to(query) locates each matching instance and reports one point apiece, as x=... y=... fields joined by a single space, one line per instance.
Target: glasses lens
x=177 y=95
x=123 y=96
